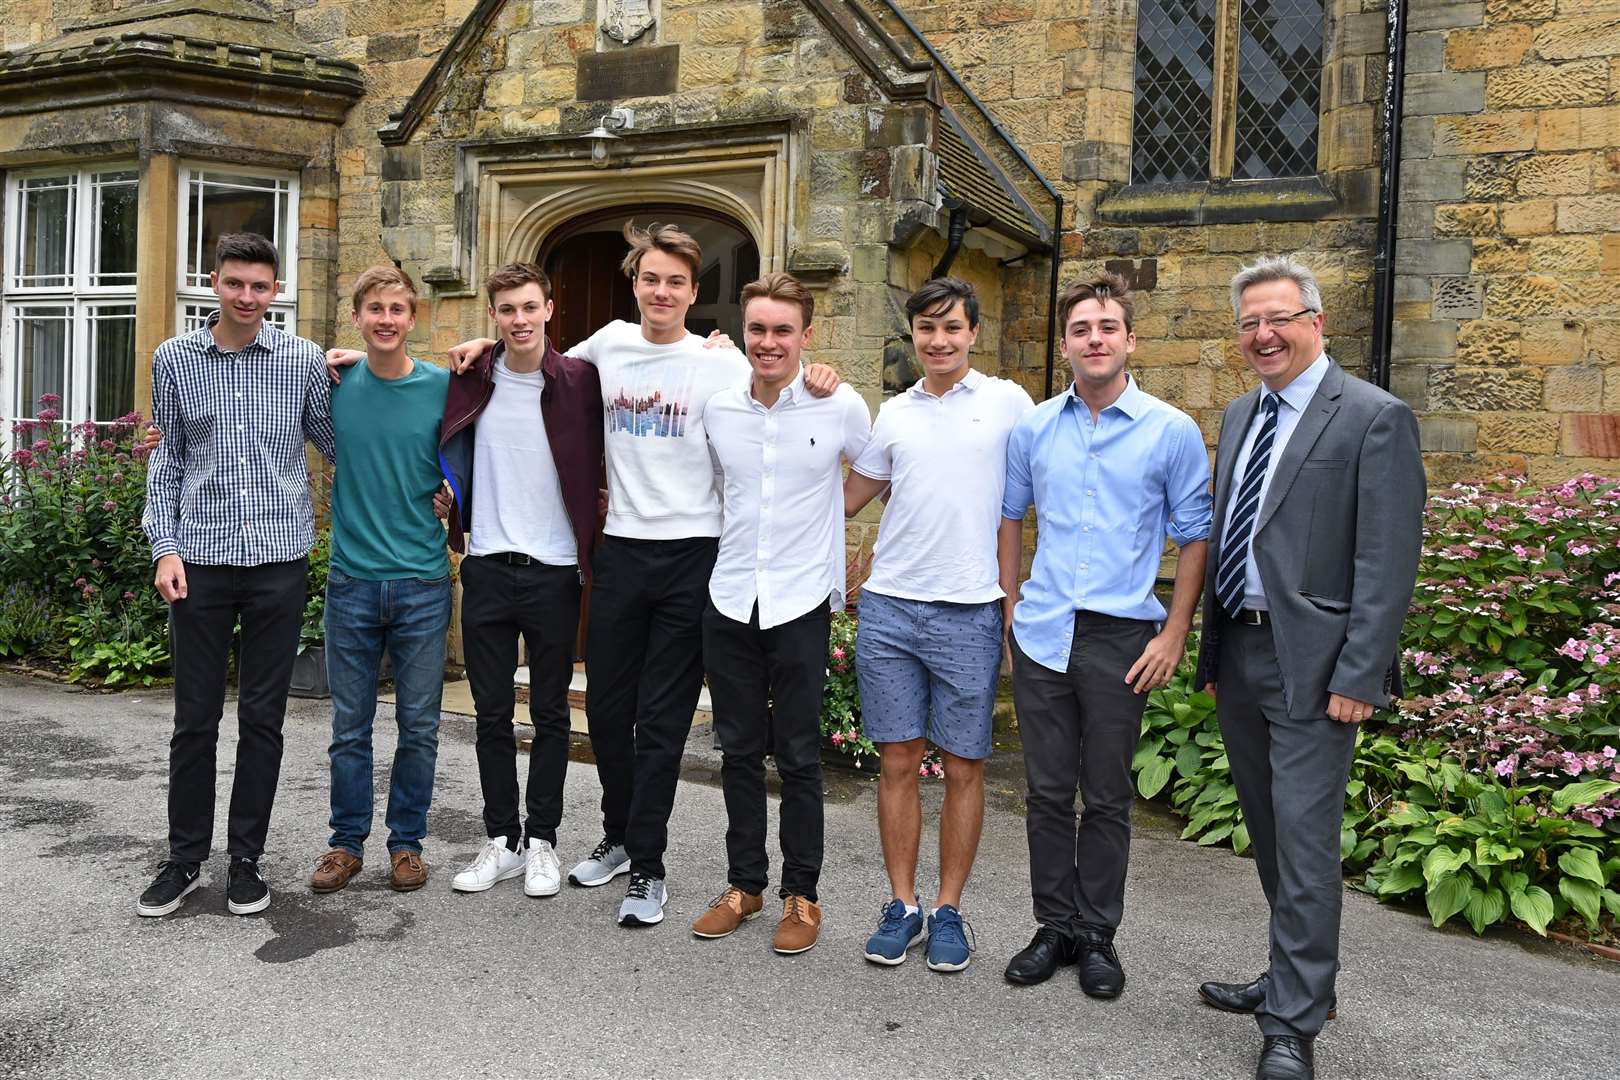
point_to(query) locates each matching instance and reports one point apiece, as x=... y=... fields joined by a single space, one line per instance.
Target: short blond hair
x=670 y=239
x=778 y=285
x=383 y=277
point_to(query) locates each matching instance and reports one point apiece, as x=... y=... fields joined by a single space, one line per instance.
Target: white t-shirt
x=946 y=462
x=661 y=483
x=783 y=540
x=517 y=498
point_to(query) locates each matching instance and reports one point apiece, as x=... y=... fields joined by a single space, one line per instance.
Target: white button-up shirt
x=1295 y=397
x=782 y=528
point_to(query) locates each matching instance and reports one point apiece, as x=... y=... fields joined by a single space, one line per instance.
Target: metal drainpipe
x=1388 y=196
x=953 y=237
x=1052 y=289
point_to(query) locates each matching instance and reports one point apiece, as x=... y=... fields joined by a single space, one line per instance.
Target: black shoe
x=1101 y=975
x=174 y=882
x=1286 y=1057
x=1047 y=951
x=246 y=892
x=1246 y=997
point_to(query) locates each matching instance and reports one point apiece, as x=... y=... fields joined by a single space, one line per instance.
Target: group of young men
x=723 y=553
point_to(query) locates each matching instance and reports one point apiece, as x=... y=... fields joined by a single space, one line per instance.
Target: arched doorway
x=582 y=259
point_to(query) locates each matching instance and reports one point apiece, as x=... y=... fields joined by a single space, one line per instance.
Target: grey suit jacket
x=1336 y=540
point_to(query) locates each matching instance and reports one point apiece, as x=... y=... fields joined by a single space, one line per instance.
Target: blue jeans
x=408 y=618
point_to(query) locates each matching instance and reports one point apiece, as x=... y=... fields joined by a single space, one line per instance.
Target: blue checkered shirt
x=229 y=485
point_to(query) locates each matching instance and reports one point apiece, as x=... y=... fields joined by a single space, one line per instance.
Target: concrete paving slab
x=370 y=983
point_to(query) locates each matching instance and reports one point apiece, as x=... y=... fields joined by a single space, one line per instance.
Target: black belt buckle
x=1252 y=617
x=514 y=558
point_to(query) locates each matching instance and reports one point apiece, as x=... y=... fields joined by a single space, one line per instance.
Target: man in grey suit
x=1313 y=553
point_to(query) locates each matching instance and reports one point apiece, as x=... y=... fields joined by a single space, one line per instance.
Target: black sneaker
x=246 y=892
x=174 y=882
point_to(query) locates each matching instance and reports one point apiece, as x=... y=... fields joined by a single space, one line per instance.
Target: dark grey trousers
x=1290 y=777
x=1080 y=729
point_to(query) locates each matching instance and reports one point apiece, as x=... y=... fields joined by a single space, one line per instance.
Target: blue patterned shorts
x=928 y=669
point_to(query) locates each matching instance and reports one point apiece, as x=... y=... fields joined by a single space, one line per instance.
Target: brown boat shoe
x=728 y=911
x=333 y=870
x=409 y=873
x=800 y=926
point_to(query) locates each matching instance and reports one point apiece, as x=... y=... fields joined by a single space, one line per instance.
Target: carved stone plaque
x=626 y=20
x=627 y=73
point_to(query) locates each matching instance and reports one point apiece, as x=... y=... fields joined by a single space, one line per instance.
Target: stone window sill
x=1219 y=202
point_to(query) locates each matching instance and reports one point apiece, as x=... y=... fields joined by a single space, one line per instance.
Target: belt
x=510 y=558
x=1251 y=617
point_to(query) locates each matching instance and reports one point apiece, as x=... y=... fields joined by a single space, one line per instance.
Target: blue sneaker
x=897 y=931
x=949 y=940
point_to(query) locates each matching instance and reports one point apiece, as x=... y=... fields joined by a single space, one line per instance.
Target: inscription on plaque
x=643 y=72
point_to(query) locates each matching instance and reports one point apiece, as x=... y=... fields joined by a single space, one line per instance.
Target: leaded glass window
x=241 y=200
x=1279 y=88
x=1175 y=74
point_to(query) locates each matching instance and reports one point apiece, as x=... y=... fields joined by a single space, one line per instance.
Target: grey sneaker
x=643 y=901
x=606 y=862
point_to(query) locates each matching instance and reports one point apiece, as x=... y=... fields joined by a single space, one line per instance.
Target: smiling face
x=774 y=335
x=943 y=340
x=1278 y=354
x=1097 y=344
x=386 y=316
x=245 y=290
x=665 y=289
x=520 y=316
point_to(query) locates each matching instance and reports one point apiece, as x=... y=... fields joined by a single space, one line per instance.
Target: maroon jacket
x=571 y=408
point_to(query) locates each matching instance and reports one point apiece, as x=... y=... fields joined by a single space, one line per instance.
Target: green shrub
x=70 y=535
x=312 y=633
x=1493 y=792
x=30 y=620
x=841 y=699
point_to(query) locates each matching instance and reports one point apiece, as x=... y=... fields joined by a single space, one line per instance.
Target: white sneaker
x=543 y=875
x=495 y=862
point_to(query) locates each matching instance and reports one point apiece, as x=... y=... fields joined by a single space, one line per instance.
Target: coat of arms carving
x=627 y=20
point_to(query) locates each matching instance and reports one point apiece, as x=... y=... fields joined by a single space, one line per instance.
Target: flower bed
x=1493 y=793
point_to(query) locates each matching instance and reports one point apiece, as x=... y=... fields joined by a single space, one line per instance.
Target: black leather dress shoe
x=1047 y=951
x=1286 y=1057
x=1245 y=997
x=1101 y=975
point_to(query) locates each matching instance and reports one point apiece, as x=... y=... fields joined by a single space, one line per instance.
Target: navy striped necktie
x=1230 y=577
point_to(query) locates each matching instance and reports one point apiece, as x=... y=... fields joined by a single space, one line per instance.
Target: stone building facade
x=850 y=141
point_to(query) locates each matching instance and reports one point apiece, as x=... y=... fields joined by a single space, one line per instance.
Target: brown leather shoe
x=409 y=872
x=334 y=869
x=800 y=926
x=728 y=911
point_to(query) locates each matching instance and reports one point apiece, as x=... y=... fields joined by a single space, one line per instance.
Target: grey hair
x=1277 y=268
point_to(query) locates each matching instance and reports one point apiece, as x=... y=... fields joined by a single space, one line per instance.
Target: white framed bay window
x=67 y=324
x=219 y=199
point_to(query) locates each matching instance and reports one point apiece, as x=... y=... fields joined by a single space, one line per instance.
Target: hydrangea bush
x=79 y=580
x=1492 y=793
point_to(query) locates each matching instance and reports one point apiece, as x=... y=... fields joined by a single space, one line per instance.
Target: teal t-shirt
x=383 y=526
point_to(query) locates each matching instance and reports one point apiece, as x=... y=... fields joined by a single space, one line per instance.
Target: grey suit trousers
x=1290 y=776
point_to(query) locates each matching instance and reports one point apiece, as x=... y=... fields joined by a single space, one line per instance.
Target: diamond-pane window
x=1175 y=74
x=1279 y=88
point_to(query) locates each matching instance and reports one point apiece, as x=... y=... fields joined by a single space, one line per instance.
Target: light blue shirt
x=1294 y=398
x=1106 y=494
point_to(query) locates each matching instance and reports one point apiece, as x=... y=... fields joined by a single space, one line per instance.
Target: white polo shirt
x=946 y=462
x=782 y=533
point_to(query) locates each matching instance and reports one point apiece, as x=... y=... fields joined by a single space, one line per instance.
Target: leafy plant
x=841 y=699
x=30 y=620
x=123 y=663
x=312 y=633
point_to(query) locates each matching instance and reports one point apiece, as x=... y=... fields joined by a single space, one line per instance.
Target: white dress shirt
x=1295 y=398
x=782 y=529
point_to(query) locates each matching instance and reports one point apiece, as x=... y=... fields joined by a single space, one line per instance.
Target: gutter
x=953 y=239
x=1389 y=179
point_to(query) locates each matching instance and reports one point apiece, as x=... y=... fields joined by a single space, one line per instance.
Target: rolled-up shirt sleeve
x=1019 y=491
x=1187 y=489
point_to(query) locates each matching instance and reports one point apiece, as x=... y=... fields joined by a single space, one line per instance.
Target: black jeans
x=269 y=600
x=500 y=602
x=644 y=659
x=766 y=686
x=1080 y=727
